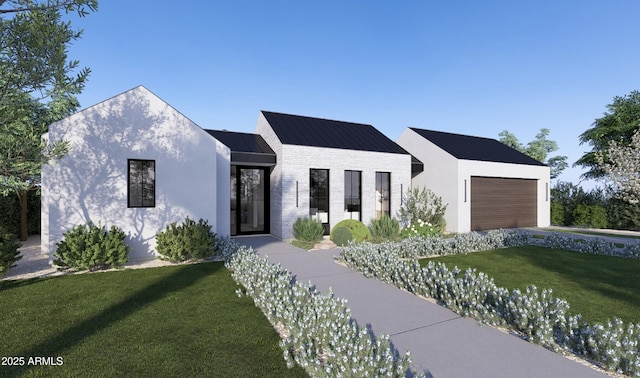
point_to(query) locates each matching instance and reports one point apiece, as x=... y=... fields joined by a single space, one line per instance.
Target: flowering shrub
x=537 y=316
x=419 y=229
x=589 y=245
x=226 y=247
x=414 y=247
x=632 y=250
x=423 y=203
x=316 y=329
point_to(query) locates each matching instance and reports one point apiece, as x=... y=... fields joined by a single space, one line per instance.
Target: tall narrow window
x=352 y=195
x=142 y=183
x=319 y=196
x=383 y=194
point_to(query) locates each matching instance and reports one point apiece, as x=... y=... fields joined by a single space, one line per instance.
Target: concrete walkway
x=442 y=344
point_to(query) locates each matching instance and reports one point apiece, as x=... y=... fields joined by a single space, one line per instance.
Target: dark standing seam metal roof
x=468 y=147
x=318 y=132
x=246 y=148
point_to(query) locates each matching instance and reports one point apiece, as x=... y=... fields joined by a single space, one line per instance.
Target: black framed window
x=383 y=194
x=141 y=183
x=352 y=193
x=319 y=196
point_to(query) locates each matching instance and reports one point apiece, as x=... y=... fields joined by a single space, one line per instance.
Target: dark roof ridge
x=317 y=118
x=230 y=131
x=454 y=134
x=469 y=147
x=298 y=130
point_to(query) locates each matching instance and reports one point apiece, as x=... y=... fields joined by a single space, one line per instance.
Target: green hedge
x=590 y=216
x=10 y=210
x=9 y=253
x=557 y=214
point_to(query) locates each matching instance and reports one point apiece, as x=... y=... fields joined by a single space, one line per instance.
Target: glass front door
x=249 y=200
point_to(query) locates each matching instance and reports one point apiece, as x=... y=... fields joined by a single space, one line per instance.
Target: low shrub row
x=91 y=247
x=317 y=330
x=537 y=316
x=596 y=246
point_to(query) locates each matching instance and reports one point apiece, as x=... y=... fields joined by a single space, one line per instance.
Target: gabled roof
x=246 y=148
x=468 y=147
x=319 y=132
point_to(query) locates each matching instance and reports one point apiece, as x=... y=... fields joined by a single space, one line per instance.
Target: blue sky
x=467 y=67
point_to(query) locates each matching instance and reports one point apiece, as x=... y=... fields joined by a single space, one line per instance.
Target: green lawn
x=598 y=287
x=172 y=321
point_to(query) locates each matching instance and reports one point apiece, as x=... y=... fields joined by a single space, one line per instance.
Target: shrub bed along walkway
x=442 y=343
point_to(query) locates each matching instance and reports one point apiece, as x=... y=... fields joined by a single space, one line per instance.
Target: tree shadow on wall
x=90 y=183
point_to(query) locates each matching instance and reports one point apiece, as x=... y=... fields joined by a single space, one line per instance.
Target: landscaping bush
x=317 y=330
x=9 y=253
x=308 y=229
x=592 y=245
x=92 y=247
x=537 y=316
x=385 y=228
x=557 y=214
x=10 y=210
x=623 y=215
x=188 y=240
x=590 y=216
x=359 y=231
x=422 y=203
x=419 y=229
x=342 y=236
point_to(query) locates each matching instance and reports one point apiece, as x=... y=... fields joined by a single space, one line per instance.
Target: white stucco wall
x=223 y=189
x=90 y=183
x=440 y=174
x=446 y=175
x=294 y=163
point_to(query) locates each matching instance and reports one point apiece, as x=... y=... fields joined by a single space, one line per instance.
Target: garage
x=503 y=203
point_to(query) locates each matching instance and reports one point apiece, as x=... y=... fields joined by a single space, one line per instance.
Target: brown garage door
x=503 y=203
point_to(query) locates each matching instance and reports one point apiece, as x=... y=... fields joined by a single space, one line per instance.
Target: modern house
x=486 y=184
x=332 y=170
x=138 y=163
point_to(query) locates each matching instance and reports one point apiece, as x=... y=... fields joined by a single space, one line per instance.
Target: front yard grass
x=172 y=321
x=598 y=287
